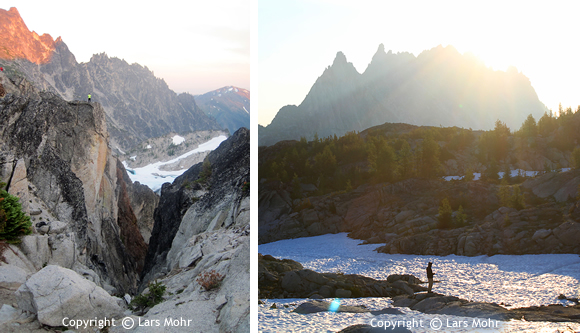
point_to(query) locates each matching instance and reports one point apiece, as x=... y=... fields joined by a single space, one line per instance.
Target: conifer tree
x=445 y=214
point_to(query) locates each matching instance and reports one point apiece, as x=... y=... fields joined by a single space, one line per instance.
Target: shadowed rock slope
x=222 y=193
x=202 y=227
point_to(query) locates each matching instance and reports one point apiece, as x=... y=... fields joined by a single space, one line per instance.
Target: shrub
x=460 y=217
x=154 y=297
x=205 y=172
x=210 y=280
x=517 y=199
x=13 y=222
x=468 y=175
x=246 y=187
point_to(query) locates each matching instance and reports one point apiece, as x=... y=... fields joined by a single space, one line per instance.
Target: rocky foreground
x=85 y=257
x=287 y=279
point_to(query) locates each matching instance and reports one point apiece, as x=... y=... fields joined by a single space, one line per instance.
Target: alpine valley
x=90 y=244
x=434 y=158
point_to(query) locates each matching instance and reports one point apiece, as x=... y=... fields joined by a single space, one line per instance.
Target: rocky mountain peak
x=20 y=43
x=340 y=59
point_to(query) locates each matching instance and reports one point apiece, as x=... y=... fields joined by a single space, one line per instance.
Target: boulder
x=11 y=277
x=292 y=282
x=410 y=279
x=568 y=233
x=404 y=215
x=36 y=249
x=326 y=291
x=55 y=292
x=315 y=306
x=342 y=293
x=541 y=234
x=403 y=286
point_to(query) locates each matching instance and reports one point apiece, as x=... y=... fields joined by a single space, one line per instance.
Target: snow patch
x=513 y=173
x=524 y=280
x=152 y=176
x=133 y=157
x=177 y=140
x=148 y=147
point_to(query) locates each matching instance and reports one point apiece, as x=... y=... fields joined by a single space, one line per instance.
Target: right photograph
x=419 y=167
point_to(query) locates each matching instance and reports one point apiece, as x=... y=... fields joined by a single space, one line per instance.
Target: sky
x=299 y=39
x=195 y=46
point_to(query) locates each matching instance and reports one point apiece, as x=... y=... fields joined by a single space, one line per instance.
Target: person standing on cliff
x=430 y=276
x=89 y=98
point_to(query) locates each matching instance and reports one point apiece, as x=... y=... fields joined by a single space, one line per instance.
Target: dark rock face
x=137 y=105
x=143 y=202
x=67 y=162
x=230 y=169
x=230 y=106
x=402 y=217
x=286 y=279
x=127 y=221
x=400 y=88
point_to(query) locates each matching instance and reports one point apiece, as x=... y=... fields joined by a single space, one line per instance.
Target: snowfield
x=513 y=173
x=177 y=140
x=515 y=281
x=152 y=176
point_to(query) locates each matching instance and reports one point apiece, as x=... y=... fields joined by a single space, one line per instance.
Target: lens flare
x=334 y=305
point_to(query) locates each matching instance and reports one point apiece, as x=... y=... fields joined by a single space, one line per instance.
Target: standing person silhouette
x=89 y=98
x=430 y=276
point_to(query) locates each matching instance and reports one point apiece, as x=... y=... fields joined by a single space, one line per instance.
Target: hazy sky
x=196 y=46
x=299 y=39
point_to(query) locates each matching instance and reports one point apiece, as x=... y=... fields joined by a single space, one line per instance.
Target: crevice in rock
x=14 y=162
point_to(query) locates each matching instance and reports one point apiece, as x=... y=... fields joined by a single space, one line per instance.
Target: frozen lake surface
x=517 y=281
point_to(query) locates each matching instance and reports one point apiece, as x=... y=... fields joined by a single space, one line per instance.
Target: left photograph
x=124 y=167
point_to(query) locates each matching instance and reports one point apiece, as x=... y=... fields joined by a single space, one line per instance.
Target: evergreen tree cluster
x=13 y=222
x=395 y=152
x=344 y=163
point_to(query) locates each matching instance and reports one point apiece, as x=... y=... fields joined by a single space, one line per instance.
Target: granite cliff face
x=202 y=224
x=182 y=202
x=230 y=106
x=438 y=87
x=55 y=156
x=137 y=104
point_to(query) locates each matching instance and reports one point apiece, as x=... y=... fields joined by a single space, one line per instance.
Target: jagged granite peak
x=229 y=105
x=68 y=168
x=138 y=105
x=340 y=59
x=219 y=197
x=438 y=87
x=20 y=43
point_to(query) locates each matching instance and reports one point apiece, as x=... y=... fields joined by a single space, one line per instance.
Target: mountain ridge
x=229 y=105
x=440 y=86
x=137 y=104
